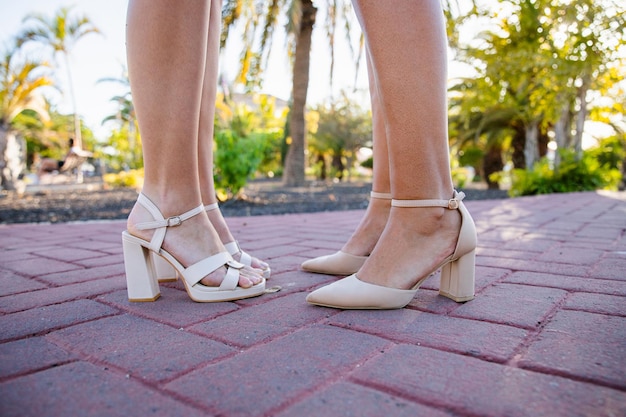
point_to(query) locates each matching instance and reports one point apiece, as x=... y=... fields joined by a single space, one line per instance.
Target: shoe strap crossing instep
x=452 y=204
x=161 y=223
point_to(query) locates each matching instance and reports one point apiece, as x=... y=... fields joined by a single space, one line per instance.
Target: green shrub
x=236 y=159
x=128 y=179
x=572 y=175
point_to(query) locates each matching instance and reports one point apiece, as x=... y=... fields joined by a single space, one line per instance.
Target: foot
x=414 y=243
x=369 y=230
x=188 y=243
x=219 y=223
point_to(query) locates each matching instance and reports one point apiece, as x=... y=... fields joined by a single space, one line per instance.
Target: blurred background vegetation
x=541 y=78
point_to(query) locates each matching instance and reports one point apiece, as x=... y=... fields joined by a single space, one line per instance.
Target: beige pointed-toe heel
x=457 y=271
x=141 y=276
x=339 y=263
x=167 y=273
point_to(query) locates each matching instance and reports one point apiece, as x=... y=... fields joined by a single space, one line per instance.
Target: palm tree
x=126 y=120
x=20 y=81
x=301 y=16
x=60 y=32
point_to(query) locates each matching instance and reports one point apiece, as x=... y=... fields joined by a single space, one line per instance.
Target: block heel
x=141 y=280
x=457 y=278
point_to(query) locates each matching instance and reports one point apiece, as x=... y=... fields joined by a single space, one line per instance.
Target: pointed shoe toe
x=352 y=293
x=339 y=263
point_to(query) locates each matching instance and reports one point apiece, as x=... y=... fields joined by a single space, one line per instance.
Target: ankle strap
x=161 y=223
x=210 y=207
x=452 y=204
x=382 y=196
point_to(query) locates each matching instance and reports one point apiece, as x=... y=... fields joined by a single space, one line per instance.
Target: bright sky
x=103 y=56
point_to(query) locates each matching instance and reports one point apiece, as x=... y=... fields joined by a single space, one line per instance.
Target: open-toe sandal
x=457 y=271
x=141 y=277
x=340 y=263
x=167 y=273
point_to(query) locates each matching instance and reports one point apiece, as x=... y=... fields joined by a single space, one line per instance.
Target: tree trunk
x=338 y=165
x=542 y=142
x=294 y=162
x=531 y=148
x=518 y=143
x=562 y=132
x=78 y=137
x=581 y=117
x=492 y=162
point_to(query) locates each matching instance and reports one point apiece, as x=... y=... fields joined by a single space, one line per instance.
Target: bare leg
x=205 y=129
x=364 y=238
x=166 y=44
x=407 y=44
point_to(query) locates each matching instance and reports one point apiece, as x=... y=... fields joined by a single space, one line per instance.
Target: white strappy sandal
x=141 y=277
x=166 y=273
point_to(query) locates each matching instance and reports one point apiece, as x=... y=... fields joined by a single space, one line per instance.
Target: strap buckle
x=173 y=221
x=453 y=204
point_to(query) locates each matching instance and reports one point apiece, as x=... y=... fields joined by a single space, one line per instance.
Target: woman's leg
x=358 y=247
x=205 y=130
x=407 y=43
x=166 y=46
x=364 y=238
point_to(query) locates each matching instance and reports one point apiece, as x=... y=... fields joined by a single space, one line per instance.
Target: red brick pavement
x=545 y=336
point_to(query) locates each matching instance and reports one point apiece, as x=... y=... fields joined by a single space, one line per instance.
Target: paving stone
x=29 y=355
x=469 y=386
x=12 y=283
x=487 y=340
x=527 y=244
x=82 y=389
x=262 y=379
x=597 y=303
x=570 y=283
x=56 y=295
x=485 y=277
x=535 y=266
x=174 y=307
x=496 y=250
x=38 y=266
x=142 y=348
x=69 y=254
x=350 y=400
x=569 y=255
x=261 y=323
x=610 y=268
x=41 y=319
x=15 y=255
x=80 y=274
x=585 y=345
x=513 y=305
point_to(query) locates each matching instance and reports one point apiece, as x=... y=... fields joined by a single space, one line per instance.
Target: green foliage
x=471 y=156
x=126 y=179
x=247 y=141
x=237 y=157
x=610 y=152
x=336 y=132
x=530 y=66
x=572 y=175
x=122 y=149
